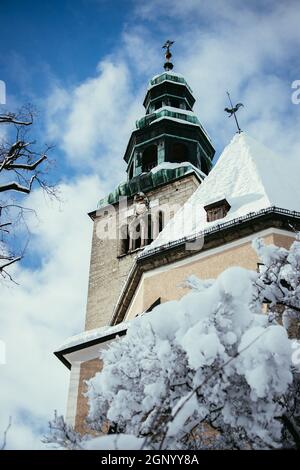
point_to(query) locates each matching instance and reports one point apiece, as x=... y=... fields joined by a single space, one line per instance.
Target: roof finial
x=231 y=111
x=168 y=65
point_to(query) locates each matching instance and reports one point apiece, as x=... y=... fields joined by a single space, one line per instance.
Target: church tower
x=168 y=156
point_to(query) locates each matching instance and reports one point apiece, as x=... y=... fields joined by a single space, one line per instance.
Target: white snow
x=272 y=344
x=89 y=335
x=249 y=176
x=173 y=166
x=174 y=74
x=114 y=442
x=177 y=110
x=169 y=73
x=176 y=120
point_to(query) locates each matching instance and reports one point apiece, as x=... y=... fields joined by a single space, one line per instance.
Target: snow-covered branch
x=11 y=118
x=62 y=435
x=278 y=283
x=3 y=446
x=21 y=168
x=14 y=186
x=28 y=167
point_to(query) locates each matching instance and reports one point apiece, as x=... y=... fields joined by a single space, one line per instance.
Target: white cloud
x=92 y=121
x=247 y=48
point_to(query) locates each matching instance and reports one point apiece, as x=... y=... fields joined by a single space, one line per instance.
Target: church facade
x=174 y=217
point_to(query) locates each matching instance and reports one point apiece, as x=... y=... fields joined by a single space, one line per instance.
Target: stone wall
x=108 y=270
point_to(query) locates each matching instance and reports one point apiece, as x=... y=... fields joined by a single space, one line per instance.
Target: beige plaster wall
x=167 y=284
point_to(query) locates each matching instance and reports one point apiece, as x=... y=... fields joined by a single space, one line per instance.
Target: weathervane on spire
x=232 y=111
x=168 y=65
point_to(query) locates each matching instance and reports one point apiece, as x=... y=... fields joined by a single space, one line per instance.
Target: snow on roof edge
x=90 y=335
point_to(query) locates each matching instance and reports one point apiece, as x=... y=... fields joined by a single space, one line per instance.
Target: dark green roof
x=171 y=77
x=163 y=112
x=147 y=181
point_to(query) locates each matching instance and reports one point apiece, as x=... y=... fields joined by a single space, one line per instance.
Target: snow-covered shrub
x=210 y=370
x=212 y=357
x=279 y=282
x=62 y=436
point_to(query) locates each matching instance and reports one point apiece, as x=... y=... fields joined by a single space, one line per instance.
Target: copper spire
x=168 y=65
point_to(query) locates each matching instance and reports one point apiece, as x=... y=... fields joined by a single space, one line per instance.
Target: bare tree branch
x=14 y=186
x=12 y=261
x=29 y=166
x=291 y=426
x=12 y=119
x=5 y=434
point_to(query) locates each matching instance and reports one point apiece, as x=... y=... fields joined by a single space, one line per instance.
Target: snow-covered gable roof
x=249 y=176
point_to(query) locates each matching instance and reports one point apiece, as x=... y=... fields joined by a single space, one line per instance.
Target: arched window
x=157 y=224
x=130 y=173
x=124 y=239
x=149 y=159
x=138 y=239
x=149 y=229
x=179 y=153
x=160 y=221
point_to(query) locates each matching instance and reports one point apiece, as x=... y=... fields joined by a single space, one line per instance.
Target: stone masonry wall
x=108 y=270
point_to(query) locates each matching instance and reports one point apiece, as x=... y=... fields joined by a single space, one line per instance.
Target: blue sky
x=65 y=38
x=59 y=42
x=85 y=65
